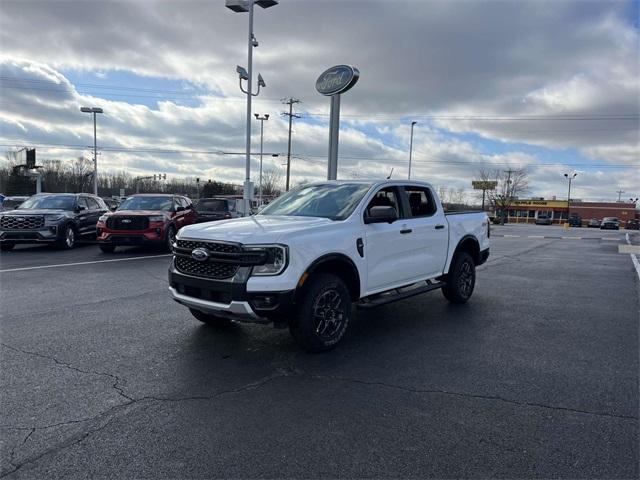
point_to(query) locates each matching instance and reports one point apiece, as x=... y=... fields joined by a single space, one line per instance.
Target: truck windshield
x=49 y=202
x=328 y=200
x=147 y=203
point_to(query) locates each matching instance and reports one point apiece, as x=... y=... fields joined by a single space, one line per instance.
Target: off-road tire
x=209 y=319
x=461 y=279
x=107 y=248
x=323 y=313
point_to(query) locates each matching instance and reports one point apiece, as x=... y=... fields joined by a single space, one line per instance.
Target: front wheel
x=170 y=238
x=6 y=246
x=461 y=279
x=68 y=238
x=323 y=315
x=209 y=319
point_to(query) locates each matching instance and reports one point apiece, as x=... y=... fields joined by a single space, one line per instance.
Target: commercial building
x=527 y=210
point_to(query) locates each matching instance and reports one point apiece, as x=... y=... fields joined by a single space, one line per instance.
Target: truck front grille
x=208 y=269
x=22 y=222
x=127 y=223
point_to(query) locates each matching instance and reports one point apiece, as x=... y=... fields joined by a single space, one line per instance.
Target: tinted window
x=421 y=202
x=212 y=205
x=386 y=197
x=147 y=203
x=328 y=200
x=52 y=202
x=93 y=204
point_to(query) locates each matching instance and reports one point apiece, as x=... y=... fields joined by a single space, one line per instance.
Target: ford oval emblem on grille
x=200 y=254
x=126 y=220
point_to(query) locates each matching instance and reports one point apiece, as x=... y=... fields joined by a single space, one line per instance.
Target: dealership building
x=527 y=210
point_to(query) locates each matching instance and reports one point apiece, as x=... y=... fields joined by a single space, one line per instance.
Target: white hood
x=255 y=229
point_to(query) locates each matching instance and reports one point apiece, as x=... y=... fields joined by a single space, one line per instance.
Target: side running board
x=401 y=293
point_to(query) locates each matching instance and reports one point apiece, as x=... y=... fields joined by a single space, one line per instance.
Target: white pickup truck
x=303 y=260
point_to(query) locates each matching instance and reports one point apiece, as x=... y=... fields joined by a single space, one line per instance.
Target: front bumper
x=229 y=298
x=47 y=234
x=137 y=237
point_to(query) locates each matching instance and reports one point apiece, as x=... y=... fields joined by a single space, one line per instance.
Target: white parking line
x=512 y=236
x=535 y=236
x=571 y=238
x=83 y=263
x=609 y=238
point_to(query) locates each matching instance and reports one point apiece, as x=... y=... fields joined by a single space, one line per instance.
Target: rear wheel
x=6 y=246
x=107 y=248
x=210 y=319
x=461 y=279
x=323 y=315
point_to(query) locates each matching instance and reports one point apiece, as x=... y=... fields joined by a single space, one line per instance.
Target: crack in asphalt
x=474 y=396
x=115 y=378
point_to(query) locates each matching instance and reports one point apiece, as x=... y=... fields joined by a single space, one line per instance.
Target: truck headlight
x=157 y=218
x=277 y=259
x=103 y=218
x=54 y=217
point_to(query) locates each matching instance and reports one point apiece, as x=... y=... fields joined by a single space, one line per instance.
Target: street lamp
x=570 y=177
x=411 y=148
x=262 y=119
x=243 y=6
x=94 y=110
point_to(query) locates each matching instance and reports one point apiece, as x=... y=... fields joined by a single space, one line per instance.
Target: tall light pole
x=262 y=119
x=411 y=148
x=242 y=6
x=569 y=177
x=94 y=110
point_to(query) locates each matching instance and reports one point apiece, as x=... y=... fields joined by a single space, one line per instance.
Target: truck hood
x=137 y=213
x=26 y=212
x=254 y=229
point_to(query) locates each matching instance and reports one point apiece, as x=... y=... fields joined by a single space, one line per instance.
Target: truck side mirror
x=381 y=214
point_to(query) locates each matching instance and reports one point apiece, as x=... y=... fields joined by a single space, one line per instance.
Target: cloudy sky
x=550 y=86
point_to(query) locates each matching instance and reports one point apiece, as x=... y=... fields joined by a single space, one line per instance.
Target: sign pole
x=334 y=132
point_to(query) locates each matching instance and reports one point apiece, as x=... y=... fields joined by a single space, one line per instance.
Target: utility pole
x=619 y=192
x=291 y=115
x=411 y=148
x=508 y=194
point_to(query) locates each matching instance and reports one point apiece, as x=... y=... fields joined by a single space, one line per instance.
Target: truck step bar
x=401 y=293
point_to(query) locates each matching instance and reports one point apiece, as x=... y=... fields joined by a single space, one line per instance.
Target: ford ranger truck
x=309 y=255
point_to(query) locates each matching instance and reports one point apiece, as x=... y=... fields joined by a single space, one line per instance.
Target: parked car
x=112 y=203
x=610 y=223
x=211 y=209
x=308 y=255
x=543 y=219
x=58 y=218
x=575 y=220
x=11 y=203
x=148 y=219
x=594 y=223
x=632 y=224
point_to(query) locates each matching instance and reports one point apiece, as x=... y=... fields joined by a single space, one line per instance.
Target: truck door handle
x=439 y=227
x=406 y=230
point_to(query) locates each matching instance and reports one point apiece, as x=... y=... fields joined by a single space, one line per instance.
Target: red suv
x=145 y=219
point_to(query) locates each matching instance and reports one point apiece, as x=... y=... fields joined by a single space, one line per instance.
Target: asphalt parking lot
x=104 y=376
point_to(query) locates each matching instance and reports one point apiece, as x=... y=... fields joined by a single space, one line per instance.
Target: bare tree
x=271 y=182
x=510 y=185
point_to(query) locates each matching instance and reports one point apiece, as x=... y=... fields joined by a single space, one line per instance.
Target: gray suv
x=58 y=218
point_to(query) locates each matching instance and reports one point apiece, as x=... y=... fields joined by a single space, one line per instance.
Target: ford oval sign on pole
x=332 y=82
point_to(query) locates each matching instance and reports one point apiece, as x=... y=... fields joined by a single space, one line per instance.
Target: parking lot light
x=94 y=110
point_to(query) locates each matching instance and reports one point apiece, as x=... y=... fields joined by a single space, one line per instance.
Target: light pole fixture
x=243 y=6
x=569 y=177
x=411 y=148
x=94 y=110
x=262 y=119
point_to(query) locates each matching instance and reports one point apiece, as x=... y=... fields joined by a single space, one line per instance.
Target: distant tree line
x=76 y=176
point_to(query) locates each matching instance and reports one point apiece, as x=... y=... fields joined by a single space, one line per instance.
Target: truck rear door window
x=421 y=201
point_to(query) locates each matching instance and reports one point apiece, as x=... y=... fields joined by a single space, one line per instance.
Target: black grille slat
x=210 y=269
x=205 y=269
x=127 y=223
x=20 y=222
